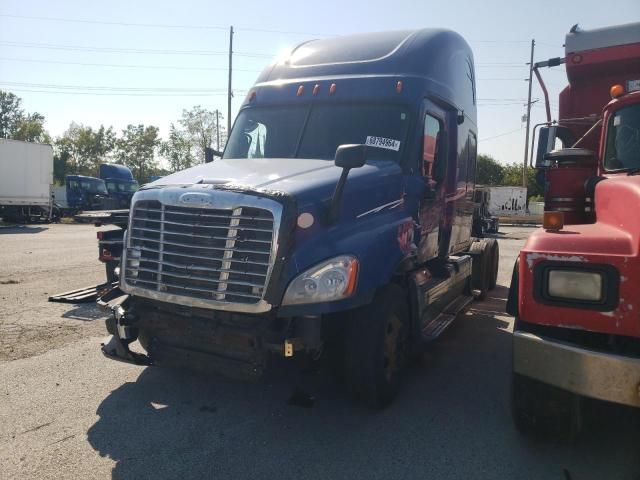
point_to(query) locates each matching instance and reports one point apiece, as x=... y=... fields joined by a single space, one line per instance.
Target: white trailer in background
x=26 y=175
x=508 y=201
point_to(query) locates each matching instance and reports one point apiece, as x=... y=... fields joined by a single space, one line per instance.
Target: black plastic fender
x=512 y=298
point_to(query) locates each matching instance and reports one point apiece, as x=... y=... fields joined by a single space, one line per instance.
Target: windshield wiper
x=634 y=171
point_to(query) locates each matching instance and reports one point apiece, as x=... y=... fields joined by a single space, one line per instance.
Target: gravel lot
x=67 y=412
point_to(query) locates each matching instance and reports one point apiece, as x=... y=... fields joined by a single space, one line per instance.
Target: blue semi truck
x=338 y=220
x=113 y=190
x=120 y=184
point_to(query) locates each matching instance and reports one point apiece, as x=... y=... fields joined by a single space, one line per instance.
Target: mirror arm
x=336 y=200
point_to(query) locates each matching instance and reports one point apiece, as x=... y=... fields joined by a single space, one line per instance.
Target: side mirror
x=351 y=156
x=208 y=155
x=347 y=157
x=546 y=143
x=440 y=167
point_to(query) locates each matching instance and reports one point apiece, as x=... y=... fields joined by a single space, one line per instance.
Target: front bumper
x=604 y=376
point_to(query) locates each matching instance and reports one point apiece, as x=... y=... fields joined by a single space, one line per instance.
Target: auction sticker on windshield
x=381 y=142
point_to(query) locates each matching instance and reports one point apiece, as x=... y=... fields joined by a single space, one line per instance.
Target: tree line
x=81 y=149
x=491 y=172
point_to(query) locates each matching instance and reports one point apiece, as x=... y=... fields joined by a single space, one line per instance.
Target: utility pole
x=217 y=132
x=526 y=141
x=229 y=91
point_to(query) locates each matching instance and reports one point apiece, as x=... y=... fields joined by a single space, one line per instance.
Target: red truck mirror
x=546 y=143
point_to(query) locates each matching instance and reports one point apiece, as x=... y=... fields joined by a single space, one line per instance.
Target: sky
x=129 y=62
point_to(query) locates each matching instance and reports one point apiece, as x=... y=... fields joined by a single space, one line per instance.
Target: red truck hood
x=613 y=240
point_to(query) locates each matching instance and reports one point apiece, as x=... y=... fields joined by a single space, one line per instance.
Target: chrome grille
x=204 y=253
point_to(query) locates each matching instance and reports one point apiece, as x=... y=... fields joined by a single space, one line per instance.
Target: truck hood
x=307 y=180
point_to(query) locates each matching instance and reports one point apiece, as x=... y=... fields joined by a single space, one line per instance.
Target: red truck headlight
x=575 y=285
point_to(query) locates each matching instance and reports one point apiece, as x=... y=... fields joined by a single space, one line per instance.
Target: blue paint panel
x=382 y=200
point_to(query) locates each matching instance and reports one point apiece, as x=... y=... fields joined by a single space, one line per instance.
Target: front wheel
x=377 y=348
x=543 y=410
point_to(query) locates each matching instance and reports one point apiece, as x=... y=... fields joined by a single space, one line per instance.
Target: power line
x=500 y=135
x=110 y=88
x=210 y=27
x=131 y=50
x=159 y=25
x=172 y=67
x=189 y=52
x=115 y=94
x=120 y=65
x=104 y=22
x=119 y=94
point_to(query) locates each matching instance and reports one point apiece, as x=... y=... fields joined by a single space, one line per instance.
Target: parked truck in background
x=112 y=191
x=120 y=184
x=483 y=221
x=26 y=175
x=575 y=291
x=81 y=193
x=338 y=220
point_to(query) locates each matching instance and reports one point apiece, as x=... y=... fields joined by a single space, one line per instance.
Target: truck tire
x=480 y=266
x=544 y=411
x=377 y=348
x=494 y=261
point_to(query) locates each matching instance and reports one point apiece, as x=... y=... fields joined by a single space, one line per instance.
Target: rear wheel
x=494 y=260
x=377 y=348
x=480 y=279
x=543 y=410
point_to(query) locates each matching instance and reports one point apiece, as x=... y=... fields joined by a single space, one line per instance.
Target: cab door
x=433 y=225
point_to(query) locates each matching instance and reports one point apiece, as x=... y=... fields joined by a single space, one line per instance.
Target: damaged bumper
x=116 y=347
x=230 y=344
x=604 y=376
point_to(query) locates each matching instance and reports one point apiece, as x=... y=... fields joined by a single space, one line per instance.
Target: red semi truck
x=575 y=290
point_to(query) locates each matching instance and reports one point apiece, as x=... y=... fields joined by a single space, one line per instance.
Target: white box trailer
x=26 y=175
x=507 y=201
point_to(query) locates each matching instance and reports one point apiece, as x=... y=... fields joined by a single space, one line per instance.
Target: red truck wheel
x=543 y=410
x=377 y=348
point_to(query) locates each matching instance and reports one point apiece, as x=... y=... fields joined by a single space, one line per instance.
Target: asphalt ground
x=67 y=412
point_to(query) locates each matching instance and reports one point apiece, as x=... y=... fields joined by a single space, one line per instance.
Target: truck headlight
x=333 y=279
x=575 y=285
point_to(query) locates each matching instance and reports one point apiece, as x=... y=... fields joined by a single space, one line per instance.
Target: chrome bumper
x=604 y=376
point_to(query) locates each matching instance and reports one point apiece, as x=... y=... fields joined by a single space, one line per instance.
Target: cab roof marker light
x=251 y=96
x=300 y=91
x=316 y=89
x=332 y=89
x=616 y=91
x=399 y=86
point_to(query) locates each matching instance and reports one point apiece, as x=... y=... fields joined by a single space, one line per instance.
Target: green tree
x=489 y=171
x=200 y=127
x=30 y=128
x=62 y=159
x=86 y=148
x=178 y=149
x=136 y=149
x=10 y=113
x=513 y=177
